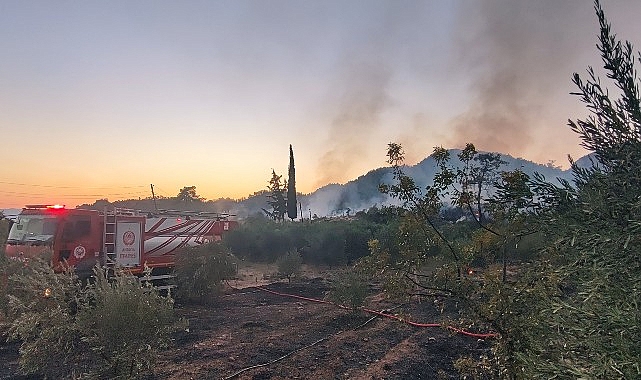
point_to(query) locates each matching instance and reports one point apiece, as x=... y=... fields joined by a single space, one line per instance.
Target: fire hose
x=376 y=313
x=386 y=315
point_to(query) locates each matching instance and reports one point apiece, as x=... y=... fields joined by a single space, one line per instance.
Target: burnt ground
x=250 y=327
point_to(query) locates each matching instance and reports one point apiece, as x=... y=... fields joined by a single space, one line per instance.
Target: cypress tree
x=292 y=211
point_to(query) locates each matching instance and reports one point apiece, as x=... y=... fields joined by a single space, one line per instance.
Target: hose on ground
x=386 y=315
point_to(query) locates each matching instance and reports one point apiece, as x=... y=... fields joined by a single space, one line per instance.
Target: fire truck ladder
x=109 y=239
x=160 y=281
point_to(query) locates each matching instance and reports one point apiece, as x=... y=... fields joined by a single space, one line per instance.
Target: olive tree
x=591 y=329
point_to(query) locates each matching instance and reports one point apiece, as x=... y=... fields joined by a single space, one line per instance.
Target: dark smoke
x=521 y=55
x=361 y=90
x=502 y=68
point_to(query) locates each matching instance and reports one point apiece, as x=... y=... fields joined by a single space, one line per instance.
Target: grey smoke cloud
x=360 y=98
x=521 y=55
x=382 y=40
x=497 y=74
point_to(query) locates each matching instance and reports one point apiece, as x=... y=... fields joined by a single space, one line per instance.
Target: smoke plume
x=360 y=100
x=520 y=54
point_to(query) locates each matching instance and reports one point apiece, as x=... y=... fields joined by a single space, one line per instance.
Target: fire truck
x=117 y=237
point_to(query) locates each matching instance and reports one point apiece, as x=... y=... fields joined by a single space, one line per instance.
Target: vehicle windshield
x=32 y=229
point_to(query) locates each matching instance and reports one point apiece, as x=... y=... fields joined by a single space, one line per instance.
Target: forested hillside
x=359 y=194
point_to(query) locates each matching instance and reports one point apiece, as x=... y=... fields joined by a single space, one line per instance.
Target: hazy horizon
x=147 y=197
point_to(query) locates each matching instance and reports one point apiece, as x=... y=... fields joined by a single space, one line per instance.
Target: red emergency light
x=50 y=207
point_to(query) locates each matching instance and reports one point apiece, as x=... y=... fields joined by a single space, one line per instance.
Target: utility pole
x=153 y=196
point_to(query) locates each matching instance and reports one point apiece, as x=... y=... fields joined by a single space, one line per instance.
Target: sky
x=100 y=99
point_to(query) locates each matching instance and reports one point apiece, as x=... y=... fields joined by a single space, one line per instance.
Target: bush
x=7 y=267
x=324 y=241
x=42 y=306
x=4 y=273
x=105 y=329
x=350 y=289
x=261 y=240
x=124 y=324
x=591 y=329
x=289 y=265
x=200 y=272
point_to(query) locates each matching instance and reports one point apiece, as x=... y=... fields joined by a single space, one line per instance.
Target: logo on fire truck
x=79 y=252
x=128 y=238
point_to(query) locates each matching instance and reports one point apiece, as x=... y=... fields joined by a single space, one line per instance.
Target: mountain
x=587 y=161
x=362 y=192
x=340 y=199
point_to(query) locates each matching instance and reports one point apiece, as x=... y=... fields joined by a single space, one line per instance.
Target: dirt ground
x=251 y=333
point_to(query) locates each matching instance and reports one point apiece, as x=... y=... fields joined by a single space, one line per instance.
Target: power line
x=162 y=192
x=19 y=193
x=73 y=187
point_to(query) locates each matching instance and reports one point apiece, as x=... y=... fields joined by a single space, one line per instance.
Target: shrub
x=104 y=329
x=7 y=267
x=4 y=273
x=200 y=272
x=289 y=265
x=124 y=324
x=350 y=289
x=42 y=307
x=323 y=241
x=591 y=329
x=259 y=239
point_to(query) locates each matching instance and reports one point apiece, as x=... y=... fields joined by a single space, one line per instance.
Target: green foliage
x=573 y=311
x=124 y=324
x=105 y=329
x=510 y=308
x=188 y=195
x=42 y=309
x=289 y=265
x=292 y=204
x=350 y=289
x=381 y=265
x=200 y=272
x=468 y=186
x=320 y=242
x=4 y=232
x=260 y=240
x=593 y=325
x=383 y=223
x=276 y=198
x=466 y=258
x=335 y=242
x=5 y=269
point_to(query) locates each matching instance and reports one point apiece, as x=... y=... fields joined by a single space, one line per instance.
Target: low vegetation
x=350 y=289
x=102 y=329
x=6 y=268
x=289 y=265
x=331 y=242
x=200 y=272
x=4 y=232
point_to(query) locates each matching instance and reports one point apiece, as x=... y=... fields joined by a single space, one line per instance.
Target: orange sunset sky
x=101 y=99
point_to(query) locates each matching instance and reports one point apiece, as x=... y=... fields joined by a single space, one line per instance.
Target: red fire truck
x=118 y=237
